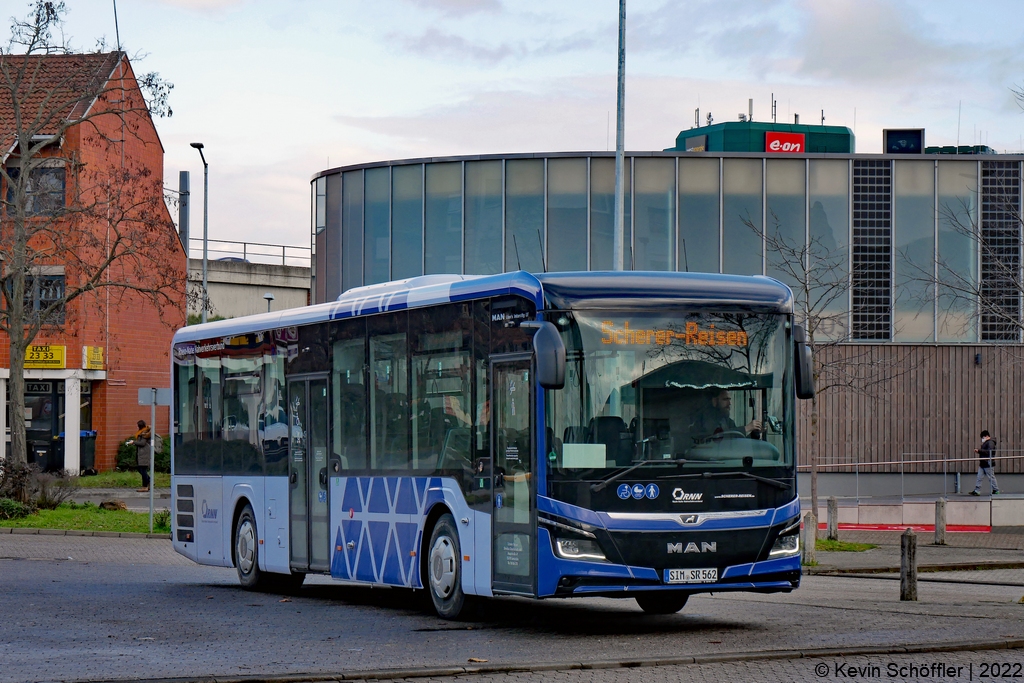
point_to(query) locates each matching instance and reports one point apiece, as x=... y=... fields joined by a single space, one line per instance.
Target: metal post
x=833 y=519
x=206 y=224
x=152 y=456
x=908 y=565
x=940 y=521
x=620 y=123
x=183 y=208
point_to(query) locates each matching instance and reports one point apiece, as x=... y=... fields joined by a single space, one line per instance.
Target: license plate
x=691 y=575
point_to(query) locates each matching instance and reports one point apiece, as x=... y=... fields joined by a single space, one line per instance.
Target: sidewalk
x=135 y=500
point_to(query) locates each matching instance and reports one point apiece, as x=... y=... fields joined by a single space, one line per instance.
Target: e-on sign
x=784 y=143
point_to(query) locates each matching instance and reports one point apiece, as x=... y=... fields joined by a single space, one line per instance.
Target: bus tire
x=444 y=569
x=658 y=602
x=245 y=550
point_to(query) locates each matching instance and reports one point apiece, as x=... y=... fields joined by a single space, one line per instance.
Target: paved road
x=81 y=608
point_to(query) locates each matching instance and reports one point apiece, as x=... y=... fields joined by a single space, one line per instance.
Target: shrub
x=12 y=509
x=50 y=490
x=162 y=519
x=127 y=458
x=17 y=480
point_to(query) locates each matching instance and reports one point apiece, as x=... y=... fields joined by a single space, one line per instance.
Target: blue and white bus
x=618 y=434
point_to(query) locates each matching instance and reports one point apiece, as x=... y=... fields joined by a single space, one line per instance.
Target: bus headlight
x=579 y=549
x=788 y=542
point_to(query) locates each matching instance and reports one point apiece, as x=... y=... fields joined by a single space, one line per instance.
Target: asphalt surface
x=89 y=608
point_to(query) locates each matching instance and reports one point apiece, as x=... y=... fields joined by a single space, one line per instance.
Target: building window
x=45 y=190
x=1000 y=251
x=872 y=249
x=42 y=291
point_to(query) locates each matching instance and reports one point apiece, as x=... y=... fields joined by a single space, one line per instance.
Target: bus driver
x=716 y=418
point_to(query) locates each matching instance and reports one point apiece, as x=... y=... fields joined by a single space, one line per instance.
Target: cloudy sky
x=278 y=91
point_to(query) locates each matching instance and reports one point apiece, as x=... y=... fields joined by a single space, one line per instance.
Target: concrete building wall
x=237 y=287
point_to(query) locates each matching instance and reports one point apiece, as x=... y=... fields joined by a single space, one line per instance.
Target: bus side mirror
x=802 y=363
x=549 y=352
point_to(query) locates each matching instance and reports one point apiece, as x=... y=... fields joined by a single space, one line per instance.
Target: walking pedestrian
x=986 y=463
x=141 y=443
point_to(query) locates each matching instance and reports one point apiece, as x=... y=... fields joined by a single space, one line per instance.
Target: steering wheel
x=731 y=434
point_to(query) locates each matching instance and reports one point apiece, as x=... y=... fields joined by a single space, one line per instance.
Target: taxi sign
x=46 y=357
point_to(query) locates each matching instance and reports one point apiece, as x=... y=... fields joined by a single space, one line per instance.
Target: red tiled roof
x=50 y=89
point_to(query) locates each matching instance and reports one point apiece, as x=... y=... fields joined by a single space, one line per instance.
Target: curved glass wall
x=682 y=212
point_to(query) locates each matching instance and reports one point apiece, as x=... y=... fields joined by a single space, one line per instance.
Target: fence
x=250 y=252
x=903 y=462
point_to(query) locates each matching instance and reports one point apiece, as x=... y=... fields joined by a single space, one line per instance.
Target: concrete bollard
x=908 y=566
x=833 y=519
x=940 y=521
x=810 y=536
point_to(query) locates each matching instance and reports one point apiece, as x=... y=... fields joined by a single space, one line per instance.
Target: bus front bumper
x=566 y=578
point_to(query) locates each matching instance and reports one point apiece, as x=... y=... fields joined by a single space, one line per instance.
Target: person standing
x=141 y=442
x=986 y=464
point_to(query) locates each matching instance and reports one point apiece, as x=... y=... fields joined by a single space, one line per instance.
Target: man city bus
x=621 y=434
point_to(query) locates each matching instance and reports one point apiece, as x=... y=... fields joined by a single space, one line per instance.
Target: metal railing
x=903 y=462
x=250 y=252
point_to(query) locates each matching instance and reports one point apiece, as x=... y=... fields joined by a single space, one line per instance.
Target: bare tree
x=818 y=272
x=83 y=227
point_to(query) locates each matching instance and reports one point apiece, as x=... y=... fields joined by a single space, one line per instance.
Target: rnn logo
x=691 y=547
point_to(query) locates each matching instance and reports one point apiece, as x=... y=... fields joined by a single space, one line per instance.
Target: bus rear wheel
x=657 y=602
x=444 y=574
x=246 y=556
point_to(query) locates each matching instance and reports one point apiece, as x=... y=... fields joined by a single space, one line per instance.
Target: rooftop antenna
x=696 y=117
x=774 y=105
x=515 y=244
x=686 y=262
x=117 y=33
x=823 y=117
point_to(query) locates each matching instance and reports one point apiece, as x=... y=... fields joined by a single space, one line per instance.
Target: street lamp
x=269 y=296
x=206 y=222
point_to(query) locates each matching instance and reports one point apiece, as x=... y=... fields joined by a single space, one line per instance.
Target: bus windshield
x=695 y=390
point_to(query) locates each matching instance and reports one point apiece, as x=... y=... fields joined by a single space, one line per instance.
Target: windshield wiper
x=719 y=475
x=619 y=475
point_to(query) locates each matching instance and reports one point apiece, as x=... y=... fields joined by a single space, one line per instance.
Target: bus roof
x=550 y=290
x=597 y=289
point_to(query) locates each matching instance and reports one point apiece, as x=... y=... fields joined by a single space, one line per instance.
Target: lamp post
x=206 y=222
x=269 y=296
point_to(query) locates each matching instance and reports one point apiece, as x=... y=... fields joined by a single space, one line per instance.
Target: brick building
x=100 y=189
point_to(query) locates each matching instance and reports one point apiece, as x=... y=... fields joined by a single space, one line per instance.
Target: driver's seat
x=611 y=431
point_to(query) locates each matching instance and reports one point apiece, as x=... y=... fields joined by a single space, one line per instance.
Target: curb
x=74 y=532
x=942 y=567
x=439 y=671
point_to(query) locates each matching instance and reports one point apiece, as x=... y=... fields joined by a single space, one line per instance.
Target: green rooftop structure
x=749 y=136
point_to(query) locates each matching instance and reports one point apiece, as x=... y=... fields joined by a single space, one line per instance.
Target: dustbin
x=86 y=452
x=39 y=452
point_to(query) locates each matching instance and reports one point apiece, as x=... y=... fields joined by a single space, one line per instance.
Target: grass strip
x=828 y=546
x=122 y=480
x=89 y=517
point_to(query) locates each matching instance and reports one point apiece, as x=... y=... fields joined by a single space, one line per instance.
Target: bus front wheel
x=444 y=575
x=657 y=602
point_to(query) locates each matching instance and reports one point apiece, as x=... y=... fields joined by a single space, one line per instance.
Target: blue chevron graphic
x=383 y=517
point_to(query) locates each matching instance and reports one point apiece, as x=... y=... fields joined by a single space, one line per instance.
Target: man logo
x=689 y=519
x=691 y=547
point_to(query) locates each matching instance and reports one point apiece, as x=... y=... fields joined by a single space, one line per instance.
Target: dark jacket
x=986 y=452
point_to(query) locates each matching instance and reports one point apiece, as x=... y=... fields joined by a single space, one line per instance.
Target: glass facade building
x=904 y=230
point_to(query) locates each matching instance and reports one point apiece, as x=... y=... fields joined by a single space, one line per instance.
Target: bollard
x=833 y=519
x=940 y=521
x=810 y=535
x=908 y=566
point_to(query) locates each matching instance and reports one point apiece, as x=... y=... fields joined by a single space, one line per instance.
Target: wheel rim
x=443 y=567
x=245 y=546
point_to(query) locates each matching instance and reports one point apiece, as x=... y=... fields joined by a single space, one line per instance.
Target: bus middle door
x=308 y=498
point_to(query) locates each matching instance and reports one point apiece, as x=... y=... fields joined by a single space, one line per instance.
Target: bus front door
x=309 y=519
x=512 y=436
